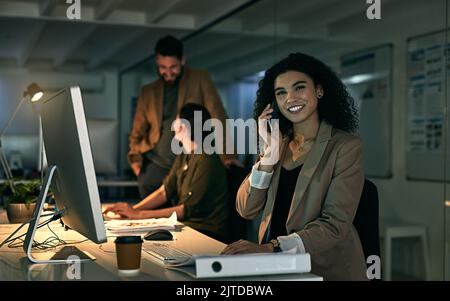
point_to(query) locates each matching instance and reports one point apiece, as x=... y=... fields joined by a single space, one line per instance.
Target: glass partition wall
x=392 y=64
x=390 y=54
x=446 y=201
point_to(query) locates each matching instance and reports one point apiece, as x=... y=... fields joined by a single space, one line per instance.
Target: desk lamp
x=33 y=93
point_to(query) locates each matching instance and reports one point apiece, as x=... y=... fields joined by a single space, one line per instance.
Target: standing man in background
x=150 y=154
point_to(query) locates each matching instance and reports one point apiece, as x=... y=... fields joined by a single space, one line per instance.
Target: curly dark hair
x=337 y=107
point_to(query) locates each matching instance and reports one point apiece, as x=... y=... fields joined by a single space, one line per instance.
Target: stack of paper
x=141 y=225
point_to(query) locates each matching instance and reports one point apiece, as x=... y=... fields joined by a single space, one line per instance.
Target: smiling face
x=296 y=96
x=169 y=67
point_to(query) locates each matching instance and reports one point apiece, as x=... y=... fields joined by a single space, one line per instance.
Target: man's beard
x=169 y=82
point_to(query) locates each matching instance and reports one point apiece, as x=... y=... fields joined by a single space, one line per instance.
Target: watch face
x=275 y=243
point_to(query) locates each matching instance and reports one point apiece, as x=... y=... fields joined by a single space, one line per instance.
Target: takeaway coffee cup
x=128 y=251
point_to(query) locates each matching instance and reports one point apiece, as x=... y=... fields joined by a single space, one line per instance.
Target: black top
x=285 y=192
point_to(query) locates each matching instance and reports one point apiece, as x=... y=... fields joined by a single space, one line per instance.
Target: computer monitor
x=71 y=170
x=103 y=134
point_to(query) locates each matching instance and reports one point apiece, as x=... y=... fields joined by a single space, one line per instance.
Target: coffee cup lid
x=128 y=240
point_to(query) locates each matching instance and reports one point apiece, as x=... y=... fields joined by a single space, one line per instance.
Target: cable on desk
x=13 y=241
x=8 y=239
x=49 y=243
x=106 y=251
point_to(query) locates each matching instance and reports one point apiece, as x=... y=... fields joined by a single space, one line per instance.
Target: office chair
x=238 y=225
x=366 y=220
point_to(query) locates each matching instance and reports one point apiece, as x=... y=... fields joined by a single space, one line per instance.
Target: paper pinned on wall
x=426 y=97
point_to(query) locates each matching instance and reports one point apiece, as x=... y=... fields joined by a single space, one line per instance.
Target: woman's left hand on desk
x=244 y=247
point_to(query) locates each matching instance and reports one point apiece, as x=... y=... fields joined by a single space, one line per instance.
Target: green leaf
x=25 y=192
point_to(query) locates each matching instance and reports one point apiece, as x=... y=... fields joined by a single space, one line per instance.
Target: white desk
x=15 y=266
x=100 y=183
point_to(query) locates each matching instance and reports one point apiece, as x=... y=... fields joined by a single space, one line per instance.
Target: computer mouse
x=159 y=234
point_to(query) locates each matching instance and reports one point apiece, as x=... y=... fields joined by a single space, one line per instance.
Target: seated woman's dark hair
x=336 y=107
x=187 y=112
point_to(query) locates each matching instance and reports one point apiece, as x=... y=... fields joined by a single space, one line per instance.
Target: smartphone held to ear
x=275 y=114
x=276 y=110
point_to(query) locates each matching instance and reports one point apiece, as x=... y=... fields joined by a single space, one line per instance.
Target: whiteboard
x=368 y=77
x=425 y=100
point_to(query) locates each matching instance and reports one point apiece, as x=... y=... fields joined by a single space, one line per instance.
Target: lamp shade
x=34 y=91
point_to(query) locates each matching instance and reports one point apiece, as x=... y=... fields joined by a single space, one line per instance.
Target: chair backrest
x=238 y=225
x=366 y=220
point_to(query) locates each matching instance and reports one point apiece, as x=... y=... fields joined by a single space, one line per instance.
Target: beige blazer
x=196 y=86
x=323 y=206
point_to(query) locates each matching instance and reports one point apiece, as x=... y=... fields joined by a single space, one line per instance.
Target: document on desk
x=122 y=227
x=213 y=266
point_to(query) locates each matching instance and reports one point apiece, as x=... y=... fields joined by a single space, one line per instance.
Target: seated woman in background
x=196 y=185
x=309 y=197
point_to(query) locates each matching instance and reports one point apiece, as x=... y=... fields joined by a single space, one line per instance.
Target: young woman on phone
x=308 y=198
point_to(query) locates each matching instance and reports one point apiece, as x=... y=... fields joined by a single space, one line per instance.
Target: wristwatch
x=276 y=245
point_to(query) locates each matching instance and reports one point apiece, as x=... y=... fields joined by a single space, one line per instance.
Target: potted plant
x=20 y=199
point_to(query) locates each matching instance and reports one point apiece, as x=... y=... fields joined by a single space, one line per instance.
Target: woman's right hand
x=117 y=207
x=125 y=210
x=270 y=141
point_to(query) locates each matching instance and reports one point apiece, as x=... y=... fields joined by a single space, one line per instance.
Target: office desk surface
x=15 y=266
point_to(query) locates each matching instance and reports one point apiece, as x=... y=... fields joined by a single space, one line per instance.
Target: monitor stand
x=64 y=256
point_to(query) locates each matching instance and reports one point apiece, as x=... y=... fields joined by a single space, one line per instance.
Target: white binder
x=245 y=265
